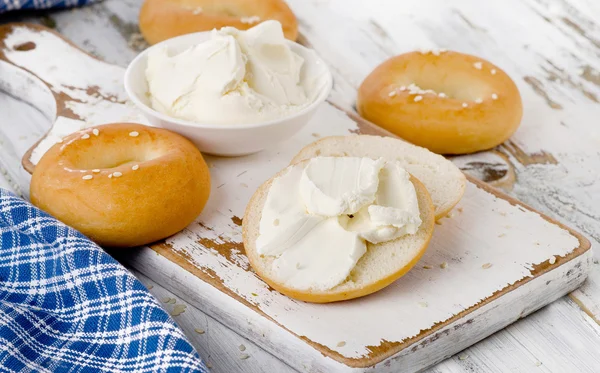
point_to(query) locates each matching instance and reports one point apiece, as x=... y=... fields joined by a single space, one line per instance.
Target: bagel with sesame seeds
x=447 y=102
x=164 y=19
x=122 y=184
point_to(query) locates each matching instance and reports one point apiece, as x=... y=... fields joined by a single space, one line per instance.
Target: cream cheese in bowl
x=231 y=92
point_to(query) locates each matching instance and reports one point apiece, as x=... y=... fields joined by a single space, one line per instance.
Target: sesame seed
x=341 y=344
x=494 y=96
x=478 y=65
x=199 y=331
x=85 y=136
x=87 y=177
x=552 y=260
x=442 y=95
x=197 y=11
x=486 y=265
x=117 y=174
x=423 y=304
x=444 y=265
x=402 y=88
x=110 y=176
x=244 y=356
x=276 y=222
x=463 y=357
x=135 y=167
x=392 y=94
x=134 y=133
x=493 y=71
x=478 y=101
x=95 y=132
x=242 y=348
x=464 y=104
x=418 y=98
x=96 y=170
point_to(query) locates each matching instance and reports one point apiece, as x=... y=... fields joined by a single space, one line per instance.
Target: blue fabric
x=67 y=306
x=6 y=5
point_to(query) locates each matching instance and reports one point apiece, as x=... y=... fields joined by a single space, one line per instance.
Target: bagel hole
x=110 y=156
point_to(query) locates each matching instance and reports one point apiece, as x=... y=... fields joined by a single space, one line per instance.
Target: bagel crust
x=122 y=184
x=164 y=19
x=448 y=102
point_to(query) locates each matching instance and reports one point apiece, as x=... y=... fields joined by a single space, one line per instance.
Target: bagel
x=444 y=181
x=448 y=102
x=381 y=265
x=163 y=19
x=122 y=185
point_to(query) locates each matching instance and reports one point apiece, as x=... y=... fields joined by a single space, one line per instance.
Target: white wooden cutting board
x=490 y=262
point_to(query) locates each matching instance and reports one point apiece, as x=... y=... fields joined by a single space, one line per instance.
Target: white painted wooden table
x=551 y=48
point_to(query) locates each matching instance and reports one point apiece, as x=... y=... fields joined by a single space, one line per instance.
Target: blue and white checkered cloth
x=67 y=306
x=6 y=5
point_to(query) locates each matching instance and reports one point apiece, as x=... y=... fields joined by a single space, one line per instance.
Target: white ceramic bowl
x=225 y=139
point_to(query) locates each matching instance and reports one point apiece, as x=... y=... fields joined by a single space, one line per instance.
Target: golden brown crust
x=252 y=219
x=164 y=194
x=442 y=125
x=163 y=19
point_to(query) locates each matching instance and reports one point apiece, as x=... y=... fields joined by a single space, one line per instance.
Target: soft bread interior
x=381 y=265
x=444 y=181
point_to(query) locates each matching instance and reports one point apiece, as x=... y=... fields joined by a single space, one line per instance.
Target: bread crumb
x=173 y=301
x=254 y=294
x=244 y=185
x=276 y=222
x=444 y=265
x=199 y=331
x=486 y=265
x=501 y=235
x=315 y=135
x=460 y=209
x=463 y=357
x=427 y=267
x=150 y=287
x=341 y=344
x=438 y=222
x=166 y=300
x=423 y=304
x=208 y=365
x=552 y=260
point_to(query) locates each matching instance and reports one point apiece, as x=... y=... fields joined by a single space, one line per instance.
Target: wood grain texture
x=107 y=29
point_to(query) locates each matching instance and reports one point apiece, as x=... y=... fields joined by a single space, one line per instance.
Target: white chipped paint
x=68 y=71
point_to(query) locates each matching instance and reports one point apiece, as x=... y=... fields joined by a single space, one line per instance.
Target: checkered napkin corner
x=7 y=5
x=67 y=306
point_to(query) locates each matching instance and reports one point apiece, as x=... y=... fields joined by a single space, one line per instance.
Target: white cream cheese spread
x=317 y=219
x=236 y=77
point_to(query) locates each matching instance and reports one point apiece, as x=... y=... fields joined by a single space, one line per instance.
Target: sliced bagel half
x=381 y=265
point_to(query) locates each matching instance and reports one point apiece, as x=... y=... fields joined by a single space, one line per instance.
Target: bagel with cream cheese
x=379 y=266
x=122 y=185
x=163 y=19
x=448 y=102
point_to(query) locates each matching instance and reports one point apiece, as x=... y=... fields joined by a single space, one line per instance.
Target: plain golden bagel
x=163 y=19
x=380 y=266
x=123 y=184
x=448 y=102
